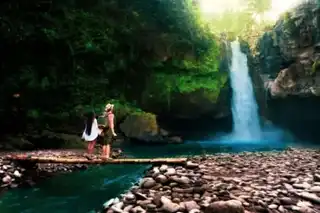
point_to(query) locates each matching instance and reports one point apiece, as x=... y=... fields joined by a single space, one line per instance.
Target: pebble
x=12 y=175
x=273 y=182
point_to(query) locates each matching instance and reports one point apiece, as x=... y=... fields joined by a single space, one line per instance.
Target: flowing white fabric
x=95 y=131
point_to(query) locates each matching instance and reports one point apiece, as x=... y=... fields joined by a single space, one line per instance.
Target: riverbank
x=13 y=175
x=287 y=181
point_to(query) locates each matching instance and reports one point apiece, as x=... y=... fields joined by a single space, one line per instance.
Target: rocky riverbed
x=13 y=175
x=272 y=182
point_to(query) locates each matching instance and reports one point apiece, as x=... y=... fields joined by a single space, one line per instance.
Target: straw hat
x=109 y=106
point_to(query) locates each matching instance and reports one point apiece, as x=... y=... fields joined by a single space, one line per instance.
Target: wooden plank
x=64 y=160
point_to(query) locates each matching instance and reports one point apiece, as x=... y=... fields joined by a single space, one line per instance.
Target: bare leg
x=93 y=143
x=104 y=148
x=108 y=148
x=89 y=147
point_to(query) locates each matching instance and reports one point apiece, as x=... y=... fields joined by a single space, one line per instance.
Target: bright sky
x=218 y=6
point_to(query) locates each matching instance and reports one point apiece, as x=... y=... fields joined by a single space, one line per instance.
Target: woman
x=91 y=132
x=108 y=130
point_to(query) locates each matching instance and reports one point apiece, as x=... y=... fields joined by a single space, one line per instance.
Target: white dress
x=95 y=131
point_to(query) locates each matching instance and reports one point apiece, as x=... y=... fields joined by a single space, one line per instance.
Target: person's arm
x=111 y=123
x=103 y=114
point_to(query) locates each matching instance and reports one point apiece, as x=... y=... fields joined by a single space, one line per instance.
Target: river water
x=86 y=191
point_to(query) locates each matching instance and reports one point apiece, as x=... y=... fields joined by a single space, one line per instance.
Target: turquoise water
x=81 y=192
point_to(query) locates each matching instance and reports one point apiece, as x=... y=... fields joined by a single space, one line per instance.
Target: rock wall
x=257 y=81
x=288 y=62
x=289 y=54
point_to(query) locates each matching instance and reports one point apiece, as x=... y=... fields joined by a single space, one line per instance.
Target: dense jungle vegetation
x=60 y=58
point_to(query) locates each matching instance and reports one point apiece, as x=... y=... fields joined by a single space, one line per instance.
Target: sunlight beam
x=216 y=7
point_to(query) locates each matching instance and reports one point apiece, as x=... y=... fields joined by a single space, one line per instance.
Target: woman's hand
x=101 y=132
x=114 y=134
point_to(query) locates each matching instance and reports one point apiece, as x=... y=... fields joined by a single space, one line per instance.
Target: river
x=86 y=191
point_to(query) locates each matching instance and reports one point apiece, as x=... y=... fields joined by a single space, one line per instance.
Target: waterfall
x=246 y=124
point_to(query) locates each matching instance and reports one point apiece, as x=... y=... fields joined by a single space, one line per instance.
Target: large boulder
x=144 y=127
x=301 y=78
x=289 y=54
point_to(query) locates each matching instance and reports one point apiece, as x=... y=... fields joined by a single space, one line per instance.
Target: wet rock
x=273 y=206
x=194 y=211
x=111 y=202
x=310 y=196
x=128 y=208
x=138 y=209
x=161 y=179
x=118 y=207
x=182 y=180
x=148 y=183
x=129 y=197
x=191 y=205
x=163 y=168
x=191 y=165
x=301 y=185
x=315 y=189
x=168 y=205
x=230 y=206
x=6 y=179
x=170 y=171
x=17 y=174
x=287 y=201
x=144 y=203
x=140 y=196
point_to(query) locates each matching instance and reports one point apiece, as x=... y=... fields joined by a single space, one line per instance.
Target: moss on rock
x=142 y=126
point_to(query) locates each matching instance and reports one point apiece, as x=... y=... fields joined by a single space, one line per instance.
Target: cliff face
x=289 y=54
x=259 y=91
x=288 y=61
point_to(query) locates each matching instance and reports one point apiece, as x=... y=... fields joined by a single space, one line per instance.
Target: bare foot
x=88 y=156
x=105 y=157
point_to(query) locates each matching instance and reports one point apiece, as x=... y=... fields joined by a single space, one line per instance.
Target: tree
x=259 y=7
x=85 y=53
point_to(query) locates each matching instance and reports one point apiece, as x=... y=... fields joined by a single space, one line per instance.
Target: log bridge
x=82 y=160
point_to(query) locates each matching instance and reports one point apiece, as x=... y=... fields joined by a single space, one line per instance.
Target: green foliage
x=315 y=67
x=72 y=56
x=259 y=6
x=289 y=25
x=241 y=23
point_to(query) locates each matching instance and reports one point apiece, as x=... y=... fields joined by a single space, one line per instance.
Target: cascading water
x=246 y=124
x=247 y=132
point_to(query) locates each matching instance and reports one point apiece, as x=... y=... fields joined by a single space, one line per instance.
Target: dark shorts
x=107 y=136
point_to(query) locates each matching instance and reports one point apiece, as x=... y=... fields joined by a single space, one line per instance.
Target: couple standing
x=92 y=131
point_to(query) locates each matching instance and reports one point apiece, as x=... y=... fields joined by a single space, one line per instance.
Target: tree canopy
x=61 y=56
x=247 y=23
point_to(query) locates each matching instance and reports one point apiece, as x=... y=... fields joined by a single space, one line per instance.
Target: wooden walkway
x=83 y=160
